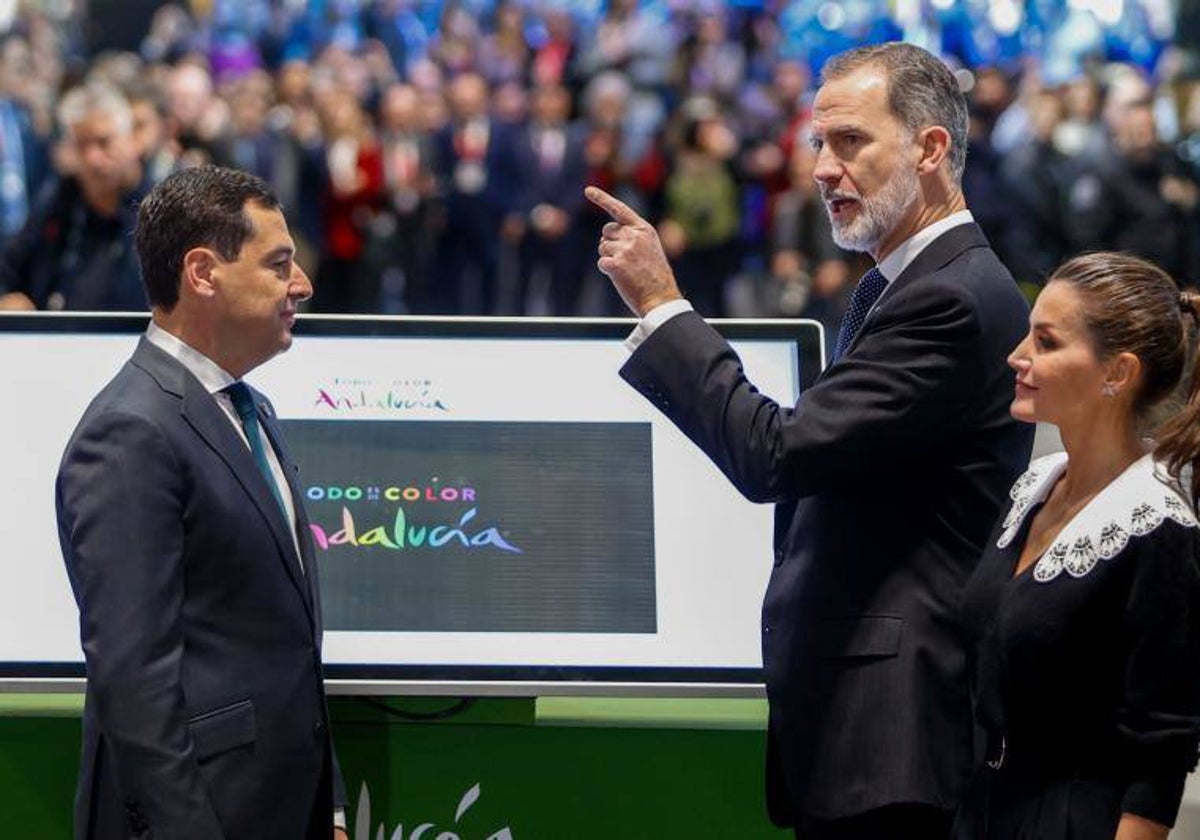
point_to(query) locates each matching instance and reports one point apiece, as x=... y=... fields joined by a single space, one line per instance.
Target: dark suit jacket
x=480 y=213
x=888 y=475
x=205 y=714
x=560 y=187
x=67 y=248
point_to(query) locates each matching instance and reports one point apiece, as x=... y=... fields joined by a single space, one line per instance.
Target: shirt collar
x=893 y=264
x=1132 y=505
x=210 y=374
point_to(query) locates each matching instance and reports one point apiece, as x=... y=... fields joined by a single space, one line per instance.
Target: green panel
x=593 y=768
x=41 y=705
x=555 y=782
x=656 y=712
x=38 y=761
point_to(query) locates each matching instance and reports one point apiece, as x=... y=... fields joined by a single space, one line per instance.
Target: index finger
x=619 y=210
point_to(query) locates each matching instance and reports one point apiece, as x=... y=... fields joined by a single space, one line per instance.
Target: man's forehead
x=261 y=214
x=95 y=124
x=865 y=85
x=851 y=108
x=269 y=225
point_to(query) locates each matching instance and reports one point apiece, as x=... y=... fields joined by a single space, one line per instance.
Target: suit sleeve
x=904 y=384
x=121 y=521
x=1159 y=715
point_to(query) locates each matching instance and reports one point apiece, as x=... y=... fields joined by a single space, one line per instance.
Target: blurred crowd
x=431 y=157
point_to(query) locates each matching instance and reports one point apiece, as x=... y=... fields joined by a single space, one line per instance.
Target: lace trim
x=1137 y=502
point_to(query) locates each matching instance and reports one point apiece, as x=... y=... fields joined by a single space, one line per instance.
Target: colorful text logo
x=399 y=395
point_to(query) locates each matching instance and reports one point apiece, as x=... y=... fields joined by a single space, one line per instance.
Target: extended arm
x=903 y=386
x=881 y=406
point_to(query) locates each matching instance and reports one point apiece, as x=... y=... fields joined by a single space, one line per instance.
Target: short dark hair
x=922 y=92
x=199 y=207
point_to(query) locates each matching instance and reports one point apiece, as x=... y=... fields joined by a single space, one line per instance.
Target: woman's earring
x=1109 y=390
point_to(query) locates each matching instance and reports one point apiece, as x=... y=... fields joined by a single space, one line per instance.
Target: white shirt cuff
x=654 y=319
x=339 y=818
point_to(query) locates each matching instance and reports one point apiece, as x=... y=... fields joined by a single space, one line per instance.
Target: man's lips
x=840 y=204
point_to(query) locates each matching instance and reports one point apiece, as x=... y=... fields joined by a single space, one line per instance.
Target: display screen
x=481 y=527
x=488 y=501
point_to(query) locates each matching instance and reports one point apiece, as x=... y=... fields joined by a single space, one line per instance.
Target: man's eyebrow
x=281 y=251
x=845 y=127
x=834 y=130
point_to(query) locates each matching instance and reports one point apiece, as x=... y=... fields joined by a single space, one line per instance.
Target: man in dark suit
x=551 y=157
x=188 y=549
x=475 y=159
x=889 y=471
x=75 y=250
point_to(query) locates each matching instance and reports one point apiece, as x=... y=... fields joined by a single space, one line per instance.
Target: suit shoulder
x=131 y=393
x=937 y=298
x=971 y=294
x=976 y=268
x=981 y=281
x=114 y=435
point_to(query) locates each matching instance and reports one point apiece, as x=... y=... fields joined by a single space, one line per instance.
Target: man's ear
x=935 y=147
x=200 y=267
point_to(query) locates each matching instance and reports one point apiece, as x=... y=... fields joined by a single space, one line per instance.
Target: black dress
x=1086 y=666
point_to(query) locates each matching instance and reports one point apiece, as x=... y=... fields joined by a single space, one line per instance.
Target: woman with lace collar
x=1084 y=613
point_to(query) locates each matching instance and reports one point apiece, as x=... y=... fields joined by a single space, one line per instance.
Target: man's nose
x=827 y=169
x=92 y=154
x=301 y=287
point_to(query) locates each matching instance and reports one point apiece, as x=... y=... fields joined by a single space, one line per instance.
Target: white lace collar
x=1134 y=504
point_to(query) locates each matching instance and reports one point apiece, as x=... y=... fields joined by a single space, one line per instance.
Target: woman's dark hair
x=1132 y=306
x=191 y=208
x=1179 y=437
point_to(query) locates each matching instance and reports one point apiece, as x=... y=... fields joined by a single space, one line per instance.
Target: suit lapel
x=270 y=425
x=200 y=410
x=938 y=253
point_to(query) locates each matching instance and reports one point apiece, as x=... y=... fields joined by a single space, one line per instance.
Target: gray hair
x=609 y=83
x=922 y=92
x=95 y=98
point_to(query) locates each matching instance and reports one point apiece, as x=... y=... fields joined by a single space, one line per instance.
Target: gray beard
x=879 y=214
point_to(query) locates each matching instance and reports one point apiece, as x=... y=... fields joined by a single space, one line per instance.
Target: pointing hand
x=631 y=255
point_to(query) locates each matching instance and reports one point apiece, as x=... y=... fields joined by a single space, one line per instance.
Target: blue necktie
x=243 y=404
x=868 y=290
